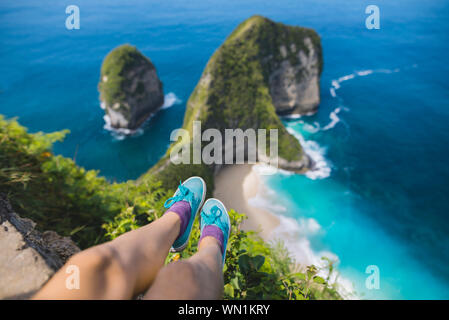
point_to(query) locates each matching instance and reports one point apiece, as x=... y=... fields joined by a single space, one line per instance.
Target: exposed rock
x=295 y=89
x=29 y=258
x=130 y=90
x=262 y=68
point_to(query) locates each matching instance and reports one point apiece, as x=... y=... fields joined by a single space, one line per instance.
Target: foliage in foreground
x=58 y=195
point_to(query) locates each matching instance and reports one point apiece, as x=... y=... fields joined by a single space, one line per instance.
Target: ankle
x=182 y=210
x=212 y=235
x=209 y=241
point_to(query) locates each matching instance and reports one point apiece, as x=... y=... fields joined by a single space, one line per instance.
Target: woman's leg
x=118 y=269
x=127 y=266
x=198 y=277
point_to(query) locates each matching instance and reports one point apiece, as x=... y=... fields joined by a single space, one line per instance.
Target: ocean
x=380 y=194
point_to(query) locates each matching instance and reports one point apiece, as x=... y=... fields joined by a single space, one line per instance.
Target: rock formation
x=262 y=69
x=294 y=83
x=130 y=90
x=28 y=257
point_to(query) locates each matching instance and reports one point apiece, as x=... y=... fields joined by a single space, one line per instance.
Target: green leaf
x=235 y=283
x=229 y=290
x=319 y=280
x=77 y=229
x=244 y=263
x=258 y=261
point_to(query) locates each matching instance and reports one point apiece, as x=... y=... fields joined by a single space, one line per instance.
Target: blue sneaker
x=214 y=213
x=193 y=191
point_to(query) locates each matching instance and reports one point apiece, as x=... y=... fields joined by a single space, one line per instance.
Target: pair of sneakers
x=214 y=218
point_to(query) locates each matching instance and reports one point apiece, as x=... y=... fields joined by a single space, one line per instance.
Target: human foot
x=215 y=223
x=188 y=199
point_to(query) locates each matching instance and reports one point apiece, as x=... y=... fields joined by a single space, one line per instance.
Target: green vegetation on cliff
x=234 y=89
x=61 y=196
x=121 y=67
x=115 y=66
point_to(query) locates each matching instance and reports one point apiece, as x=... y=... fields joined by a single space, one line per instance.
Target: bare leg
x=118 y=269
x=199 y=277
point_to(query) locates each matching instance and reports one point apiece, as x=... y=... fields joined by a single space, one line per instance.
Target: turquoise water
x=381 y=136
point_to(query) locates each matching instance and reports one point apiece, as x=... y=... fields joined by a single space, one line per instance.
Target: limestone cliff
x=294 y=79
x=130 y=90
x=263 y=69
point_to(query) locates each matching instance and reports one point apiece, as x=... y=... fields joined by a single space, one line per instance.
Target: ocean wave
x=120 y=133
x=297 y=116
x=295 y=234
x=336 y=83
x=334 y=119
x=364 y=73
x=321 y=169
x=312 y=128
x=170 y=99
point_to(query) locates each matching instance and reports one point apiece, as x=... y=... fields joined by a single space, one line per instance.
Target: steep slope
x=130 y=90
x=262 y=69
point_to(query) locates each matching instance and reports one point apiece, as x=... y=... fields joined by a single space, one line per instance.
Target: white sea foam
x=364 y=73
x=296 y=235
x=259 y=201
x=297 y=116
x=292 y=116
x=170 y=100
x=312 y=128
x=336 y=83
x=321 y=169
x=346 y=78
x=334 y=119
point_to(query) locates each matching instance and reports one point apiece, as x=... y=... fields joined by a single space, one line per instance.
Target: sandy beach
x=234 y=186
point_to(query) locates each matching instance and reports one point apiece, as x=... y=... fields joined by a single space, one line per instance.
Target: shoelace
x=215 y=213
x=183 y=194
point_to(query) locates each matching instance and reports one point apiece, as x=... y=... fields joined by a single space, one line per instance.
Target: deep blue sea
x=380 y=137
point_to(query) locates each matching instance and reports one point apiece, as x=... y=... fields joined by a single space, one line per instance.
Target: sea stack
x=130 y=90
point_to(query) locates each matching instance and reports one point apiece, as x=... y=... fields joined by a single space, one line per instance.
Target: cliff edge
x=28 y=258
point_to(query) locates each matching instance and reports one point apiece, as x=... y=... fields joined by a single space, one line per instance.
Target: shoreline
x=235 y=185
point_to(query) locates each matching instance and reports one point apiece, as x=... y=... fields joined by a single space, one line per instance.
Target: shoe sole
x=229 y=223
x=184 y=245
